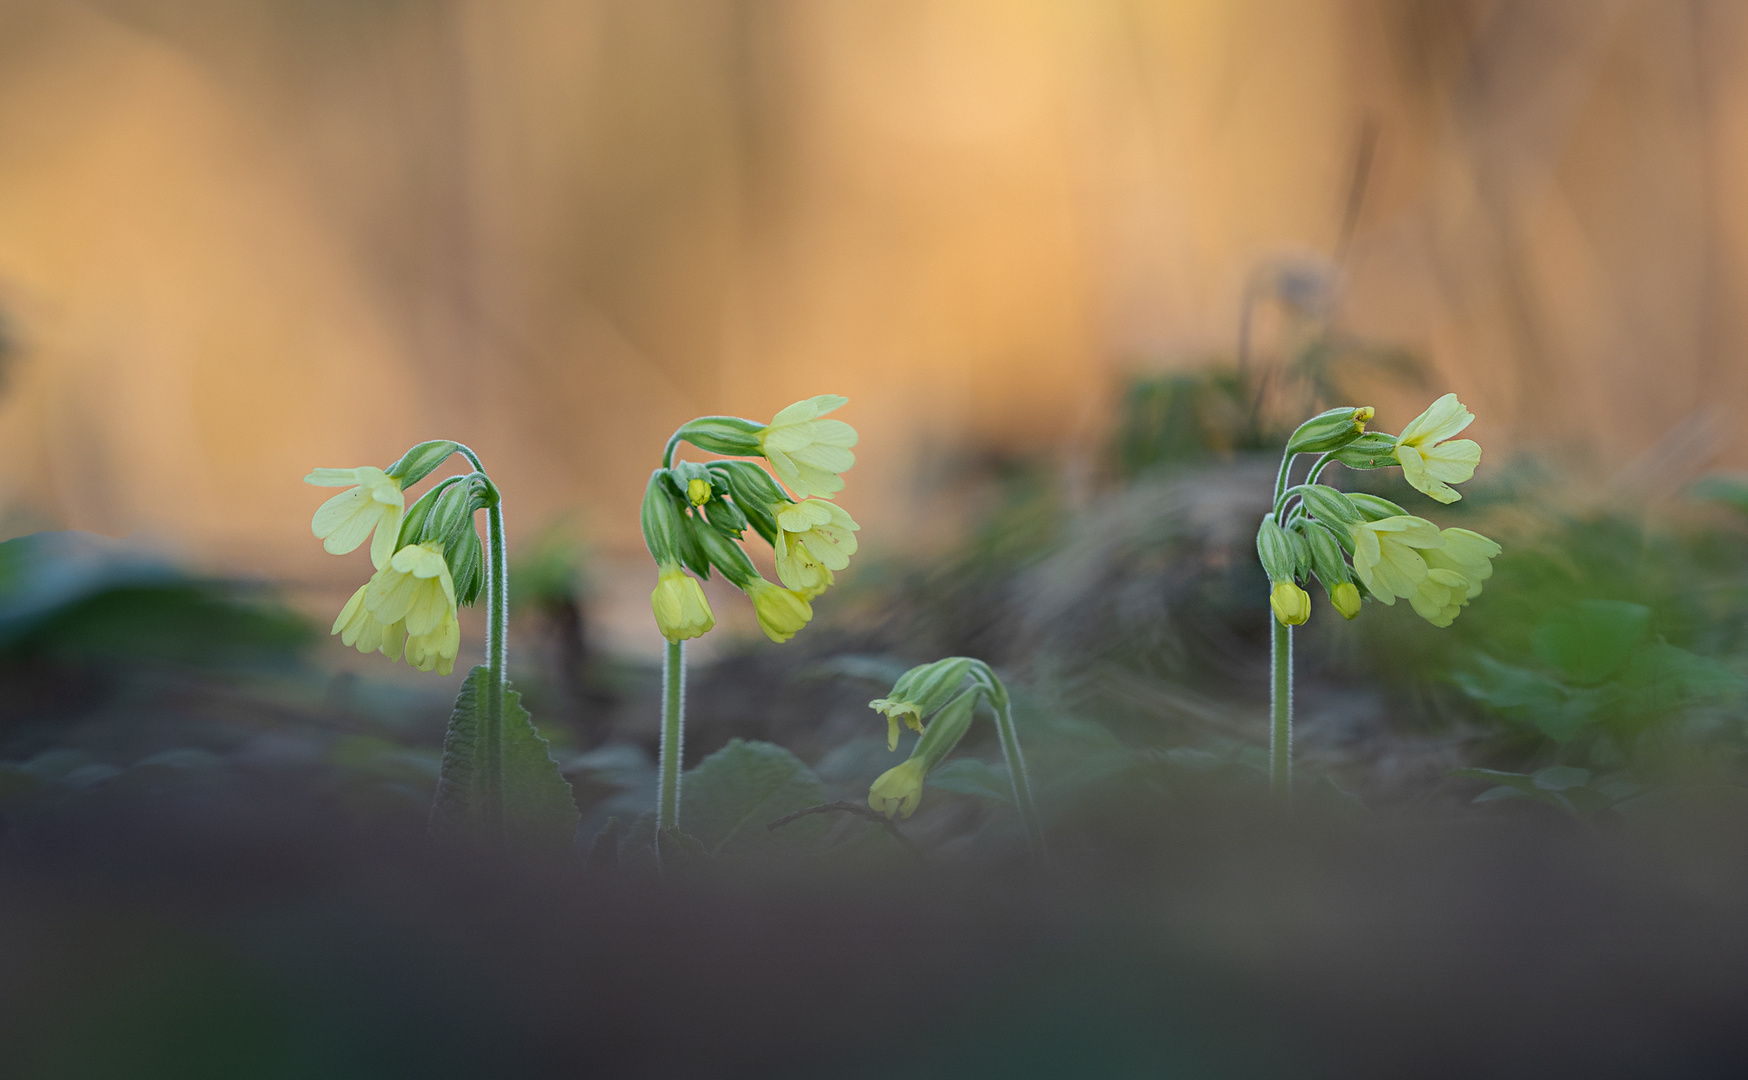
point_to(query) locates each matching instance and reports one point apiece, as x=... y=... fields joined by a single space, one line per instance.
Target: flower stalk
x=695 y=517
x=1313 y=530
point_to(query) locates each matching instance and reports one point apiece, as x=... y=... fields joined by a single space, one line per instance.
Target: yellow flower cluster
x=1437 y=571
x=408 y=606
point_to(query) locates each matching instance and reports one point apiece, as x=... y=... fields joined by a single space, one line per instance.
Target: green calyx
x=420 y=461
x=1372 y=450
x=729 y=435
x=1329 y=431
x=1276 y=548
x=444 y=515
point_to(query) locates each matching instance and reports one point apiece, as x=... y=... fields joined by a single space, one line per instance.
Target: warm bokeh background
x=239 y=238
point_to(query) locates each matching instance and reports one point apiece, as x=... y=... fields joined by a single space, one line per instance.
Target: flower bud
x=1373 y=450
x=1276 y=550
x=1292 y=604
x=1329 y=431
x=1346 y=598
x=698 y=491
x=899 y=790
x=417 y=463
x=681 y=611
x=723 y=435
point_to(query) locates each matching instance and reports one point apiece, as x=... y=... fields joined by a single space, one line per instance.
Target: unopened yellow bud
x=899 y=789
x=1346 y=598
x=1362 y=416
x=698 y=490
x=1292 y=604
x=680 y=608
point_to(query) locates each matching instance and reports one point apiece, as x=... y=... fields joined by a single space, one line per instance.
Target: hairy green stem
x=1281 y=478
x=497 y=653
x=1022 y=783
x=673 y=735
x=1281 y=710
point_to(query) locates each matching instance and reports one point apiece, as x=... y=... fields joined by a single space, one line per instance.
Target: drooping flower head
x=1387 y=555
x=681 y=611
x=782 y=612
x=814 y=538
x=806 y=451
x=899 y=790
x=1429 y=462
x=374 y=502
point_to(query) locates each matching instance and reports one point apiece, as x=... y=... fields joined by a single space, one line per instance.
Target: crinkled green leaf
x=525 y=791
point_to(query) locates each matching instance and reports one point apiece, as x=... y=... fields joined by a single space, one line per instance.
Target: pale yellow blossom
x=1429 y=462
x=374 y=503
x=806 y=452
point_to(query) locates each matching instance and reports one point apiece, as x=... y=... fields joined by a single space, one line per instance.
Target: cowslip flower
x=1429 y=462
x=899 y=790
x=681 y=611
x=814 y=538
x=893 y=709
x=1440 y=596
x=375 y=503
x=416 y=590
x=1387 y=555
x=1292 y=604
x=1468 y=553
x=408 y=604
x=782 y=612
x=807 y=452
x=358 y=627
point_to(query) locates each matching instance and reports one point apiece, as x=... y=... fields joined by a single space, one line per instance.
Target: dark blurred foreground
x=238 y=930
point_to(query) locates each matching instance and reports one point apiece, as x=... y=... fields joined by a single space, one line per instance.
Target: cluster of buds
x=695 y=516
x=936 y=701
x=1316 y=530
x=428 y=559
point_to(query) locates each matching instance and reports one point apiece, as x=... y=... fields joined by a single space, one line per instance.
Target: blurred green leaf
x=969 y=776
x=535 y=799
x=729 y=798
x=1592 y=639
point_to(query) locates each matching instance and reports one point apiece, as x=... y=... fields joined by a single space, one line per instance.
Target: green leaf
x=521 y=799
x=729 y=798
x=969 y=776
x=1560 y=777
x=1592 y=639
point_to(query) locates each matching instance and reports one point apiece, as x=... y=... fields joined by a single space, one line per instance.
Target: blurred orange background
x=242 y=238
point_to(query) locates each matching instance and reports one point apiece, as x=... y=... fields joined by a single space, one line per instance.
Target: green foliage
x=500 y=783
x=729 y=798
x=726 y=803
x=1564 y=787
